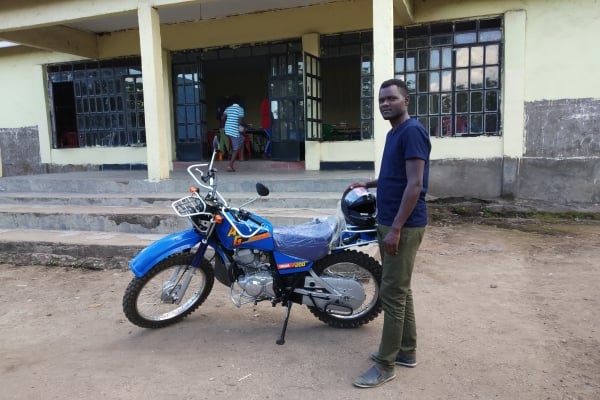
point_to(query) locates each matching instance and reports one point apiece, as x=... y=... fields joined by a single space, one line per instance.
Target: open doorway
x=259 y=75
x=341 y=111
x=245 y=78
x=65 y=117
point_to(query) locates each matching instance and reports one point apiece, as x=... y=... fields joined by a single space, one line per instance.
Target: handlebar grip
x=245 y=215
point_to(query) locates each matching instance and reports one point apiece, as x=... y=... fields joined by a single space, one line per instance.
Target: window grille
x=452 y=71
x=108 y=103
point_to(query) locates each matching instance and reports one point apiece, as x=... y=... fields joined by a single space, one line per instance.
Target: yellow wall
x=551 y=54
x=24 y=103
x=270 y=26
x=347 y=151
x=563 y=61
x=21 y=83
x=259 y=27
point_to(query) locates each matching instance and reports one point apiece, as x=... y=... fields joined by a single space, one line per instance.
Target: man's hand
x=355 y=185
x=391 y=242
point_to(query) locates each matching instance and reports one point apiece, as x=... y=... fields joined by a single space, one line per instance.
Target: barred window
x=97 y=103
x=452 y=71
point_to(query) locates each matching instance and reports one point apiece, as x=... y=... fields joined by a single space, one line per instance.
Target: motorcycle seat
x=309 y=241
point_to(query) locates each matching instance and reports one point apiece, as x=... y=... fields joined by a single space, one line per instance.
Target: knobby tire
x=372 y=269
x=137 y=285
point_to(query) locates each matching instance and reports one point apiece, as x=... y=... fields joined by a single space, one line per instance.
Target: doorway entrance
x=65 y=116
x=202 y=80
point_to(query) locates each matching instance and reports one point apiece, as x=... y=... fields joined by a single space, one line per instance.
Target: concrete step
x=100 y=237
x=274 y=200
x=133 y=182
x=149 y=219
x=95 y=250
x=103 y=218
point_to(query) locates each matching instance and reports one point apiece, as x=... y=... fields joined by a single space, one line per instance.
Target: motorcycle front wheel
x=361 y=267
x=169 y=292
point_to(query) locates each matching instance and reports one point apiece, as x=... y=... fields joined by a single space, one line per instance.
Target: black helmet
x=359 y=207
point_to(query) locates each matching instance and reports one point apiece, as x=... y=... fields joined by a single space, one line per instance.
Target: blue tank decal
x=230 y=239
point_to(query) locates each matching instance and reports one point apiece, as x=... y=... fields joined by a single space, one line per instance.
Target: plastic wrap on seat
x=309 y=241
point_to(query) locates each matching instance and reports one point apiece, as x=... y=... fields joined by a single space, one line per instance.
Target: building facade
x=507 y=89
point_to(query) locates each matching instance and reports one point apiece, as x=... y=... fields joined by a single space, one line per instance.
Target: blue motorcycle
x=315 y=263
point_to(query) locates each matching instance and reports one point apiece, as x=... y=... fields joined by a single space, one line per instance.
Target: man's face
x=393 y=102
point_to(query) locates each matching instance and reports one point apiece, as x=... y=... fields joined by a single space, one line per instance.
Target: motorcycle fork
x=176 y=286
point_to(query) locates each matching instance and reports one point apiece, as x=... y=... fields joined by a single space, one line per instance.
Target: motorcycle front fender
x=163 y=248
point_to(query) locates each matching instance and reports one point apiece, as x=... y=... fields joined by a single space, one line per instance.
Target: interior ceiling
x=190 y=12
x=172 y=14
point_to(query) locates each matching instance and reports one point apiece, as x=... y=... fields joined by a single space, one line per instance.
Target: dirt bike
x=315 y=263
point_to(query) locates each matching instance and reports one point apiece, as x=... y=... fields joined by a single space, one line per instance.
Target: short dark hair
x=395 y=82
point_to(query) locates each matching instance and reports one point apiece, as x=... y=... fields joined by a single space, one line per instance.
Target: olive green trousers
x=399 y=334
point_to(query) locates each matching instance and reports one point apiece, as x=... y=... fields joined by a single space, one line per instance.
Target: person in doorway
x=247 y=146
x=401 y=219
x=223 y=139
x=265 y=114
x=233 y=116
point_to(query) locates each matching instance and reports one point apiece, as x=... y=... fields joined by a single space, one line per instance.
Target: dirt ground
x=502 y=313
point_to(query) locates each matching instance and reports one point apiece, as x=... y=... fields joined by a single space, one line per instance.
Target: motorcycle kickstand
x=281 y=339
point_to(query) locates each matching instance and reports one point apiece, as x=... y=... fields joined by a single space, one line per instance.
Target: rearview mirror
x=262 y=190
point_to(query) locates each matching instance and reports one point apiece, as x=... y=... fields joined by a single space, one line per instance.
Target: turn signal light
x=194 y=189
x=218 y=219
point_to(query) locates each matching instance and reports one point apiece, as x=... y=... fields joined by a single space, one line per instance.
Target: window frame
x=103 y=117
x=455 y=88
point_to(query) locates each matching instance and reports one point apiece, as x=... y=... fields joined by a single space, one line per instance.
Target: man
x=233 y=116
x=401 y=218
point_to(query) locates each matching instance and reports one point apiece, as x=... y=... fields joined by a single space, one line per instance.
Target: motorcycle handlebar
x=242 y=215
x=245 y=215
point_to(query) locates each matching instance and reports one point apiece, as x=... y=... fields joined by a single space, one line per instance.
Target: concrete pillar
x=168 y=105
x=513 y=111
x=383 y=68
x=153 y=73
x=312 y=148
x=513 y=131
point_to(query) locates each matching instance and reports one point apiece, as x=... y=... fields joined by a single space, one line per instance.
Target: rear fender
x=163 y=248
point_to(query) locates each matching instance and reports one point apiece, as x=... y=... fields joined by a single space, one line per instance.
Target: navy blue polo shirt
x=409 y=140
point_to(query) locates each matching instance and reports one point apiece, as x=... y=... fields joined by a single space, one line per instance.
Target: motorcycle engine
x=256 y=279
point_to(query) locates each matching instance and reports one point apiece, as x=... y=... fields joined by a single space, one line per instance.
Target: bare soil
x=503 y=312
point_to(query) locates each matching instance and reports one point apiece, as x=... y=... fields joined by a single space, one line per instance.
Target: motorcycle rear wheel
x=146 y=302
x=361 y=267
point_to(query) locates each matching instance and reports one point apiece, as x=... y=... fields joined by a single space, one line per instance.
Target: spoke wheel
x=157 y=300
x=351 y=264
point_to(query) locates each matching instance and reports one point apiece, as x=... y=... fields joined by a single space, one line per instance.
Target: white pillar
x=312 y=148
x=168 y=106
x=154 y=97
x=383 y=68
x=513 y=132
